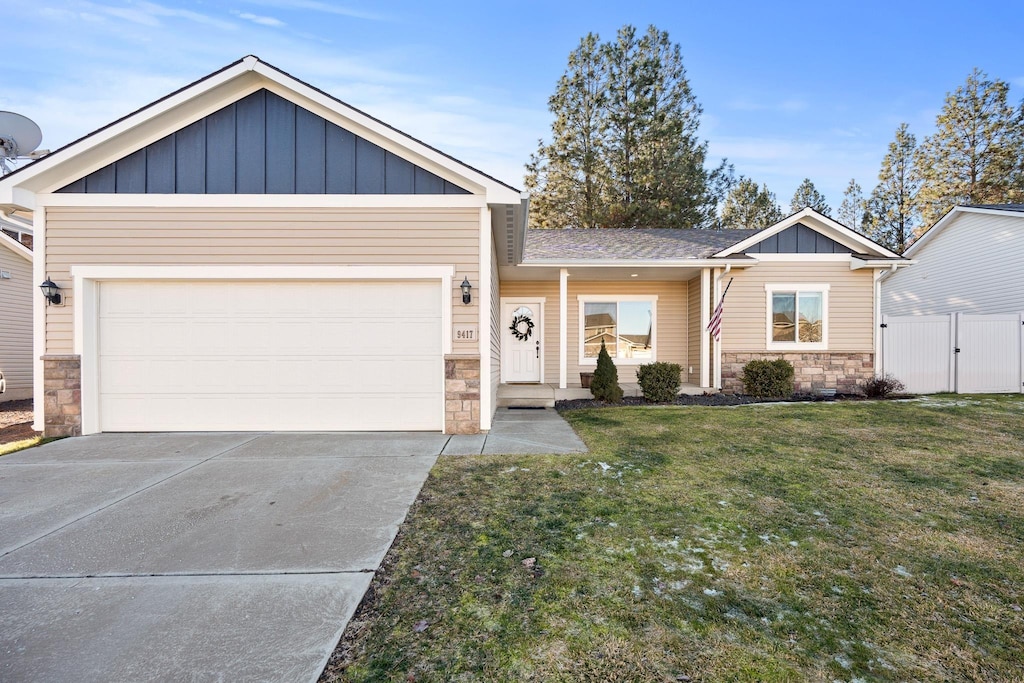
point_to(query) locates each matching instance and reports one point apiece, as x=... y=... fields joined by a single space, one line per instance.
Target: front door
x=520 y=342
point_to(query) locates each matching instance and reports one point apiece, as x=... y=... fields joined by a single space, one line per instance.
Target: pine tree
x=892 y=216
x=624 y=149
x=605 y=383
x=807 y=195
x=977 y=151
x=566 y=177
x=749 y=208
x=851 y=211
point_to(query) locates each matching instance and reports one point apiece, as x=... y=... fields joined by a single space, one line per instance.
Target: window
x=626 y=325
x=797 y=316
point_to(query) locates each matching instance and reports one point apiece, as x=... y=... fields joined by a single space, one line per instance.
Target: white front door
x=521 y=341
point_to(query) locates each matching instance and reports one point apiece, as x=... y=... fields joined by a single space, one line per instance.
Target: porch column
x=718 y=342
x=563 y=329
x=705 y=318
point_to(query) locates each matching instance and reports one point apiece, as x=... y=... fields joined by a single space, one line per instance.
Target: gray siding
x=263 y=144
x=798 y=239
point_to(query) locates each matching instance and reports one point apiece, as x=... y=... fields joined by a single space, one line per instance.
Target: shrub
x=768 y=378
x=605 y=385
x=876 y=387
x=659 y=381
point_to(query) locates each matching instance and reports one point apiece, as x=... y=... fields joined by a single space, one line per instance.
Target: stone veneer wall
x=62 y=395
x=814 y=371
x=461 y=394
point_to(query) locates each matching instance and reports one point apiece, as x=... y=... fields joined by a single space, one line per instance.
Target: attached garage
x=270 y=356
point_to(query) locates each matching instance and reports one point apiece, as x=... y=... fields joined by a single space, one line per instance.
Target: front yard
x=855 y=541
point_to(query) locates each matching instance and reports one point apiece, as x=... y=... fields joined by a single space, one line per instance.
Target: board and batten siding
x=16 y=295
x=974 y=265
x=671 y=333
x=264 y=236
x=850 y=304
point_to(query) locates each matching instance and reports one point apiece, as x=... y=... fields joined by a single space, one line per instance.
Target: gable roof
x=609 y=245
x=857 y=243
x=207 y=95
x=1011 y=210
x=15 y=246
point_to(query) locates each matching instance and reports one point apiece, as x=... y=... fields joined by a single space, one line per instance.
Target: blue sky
x=789 y=90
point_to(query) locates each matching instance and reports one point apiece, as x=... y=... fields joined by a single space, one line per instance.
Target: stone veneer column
x=62 y=395
x=813 y=371
x=461 y=394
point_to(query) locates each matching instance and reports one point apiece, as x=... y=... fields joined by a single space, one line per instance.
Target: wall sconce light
x=51 y=291
x=466 y=298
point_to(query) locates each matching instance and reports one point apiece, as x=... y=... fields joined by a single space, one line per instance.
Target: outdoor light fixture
x=466 y=298
x=51 y=291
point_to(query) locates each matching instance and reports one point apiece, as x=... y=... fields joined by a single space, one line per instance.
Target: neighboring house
x=955 y=321
x=17 y=286
x=970 y=261
x=249 y=253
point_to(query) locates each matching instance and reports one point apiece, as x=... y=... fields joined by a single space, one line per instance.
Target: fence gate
x=961 y=352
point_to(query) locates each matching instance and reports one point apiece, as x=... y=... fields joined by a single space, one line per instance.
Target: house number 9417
x=465 y=333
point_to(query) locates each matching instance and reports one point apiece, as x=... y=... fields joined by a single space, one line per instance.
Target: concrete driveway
x=195 y=557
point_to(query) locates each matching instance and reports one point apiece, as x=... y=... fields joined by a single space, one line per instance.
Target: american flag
x=715 y=325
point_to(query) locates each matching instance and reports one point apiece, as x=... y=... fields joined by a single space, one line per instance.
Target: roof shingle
x=646 y=244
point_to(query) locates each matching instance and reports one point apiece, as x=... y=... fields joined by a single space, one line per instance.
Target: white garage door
x=223 y=356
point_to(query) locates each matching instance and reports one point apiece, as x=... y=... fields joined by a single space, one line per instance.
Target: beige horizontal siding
x=233 y=236
x=16 y=324
x=850 y=304
x=692 y=370
x=671 y=333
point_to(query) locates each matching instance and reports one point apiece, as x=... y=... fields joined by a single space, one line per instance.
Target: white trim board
x=265 y=201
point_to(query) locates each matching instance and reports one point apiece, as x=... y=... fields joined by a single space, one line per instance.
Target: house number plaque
x=466 y=332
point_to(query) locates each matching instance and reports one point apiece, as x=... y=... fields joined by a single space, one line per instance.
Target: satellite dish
x=19 y=137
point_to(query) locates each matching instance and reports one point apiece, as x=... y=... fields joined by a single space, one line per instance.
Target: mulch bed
x=712 y=400
x=16 y=421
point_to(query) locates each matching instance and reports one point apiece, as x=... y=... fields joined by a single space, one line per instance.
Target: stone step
x=526 y=401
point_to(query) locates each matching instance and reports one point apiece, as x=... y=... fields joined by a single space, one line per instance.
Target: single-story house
x=16 y=293
x=249 y=253
x=955 y=321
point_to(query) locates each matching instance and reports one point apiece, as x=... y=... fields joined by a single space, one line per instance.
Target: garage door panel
x=270 y=356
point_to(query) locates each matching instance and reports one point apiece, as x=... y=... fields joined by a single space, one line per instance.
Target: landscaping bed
x=16 y=421
x=717 y=399
x=857 y=541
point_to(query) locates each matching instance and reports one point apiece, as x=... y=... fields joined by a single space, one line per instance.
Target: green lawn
x=15 y=446
x=850 y=541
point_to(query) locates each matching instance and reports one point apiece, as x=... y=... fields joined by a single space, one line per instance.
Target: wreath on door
x=522 y=327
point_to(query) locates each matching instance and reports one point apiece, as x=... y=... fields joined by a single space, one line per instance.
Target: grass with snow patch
x=856 y=541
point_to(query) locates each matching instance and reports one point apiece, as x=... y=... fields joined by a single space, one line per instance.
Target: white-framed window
x=627 y=324
x=797 y=317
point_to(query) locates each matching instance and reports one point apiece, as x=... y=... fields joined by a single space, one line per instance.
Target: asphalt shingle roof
x=647 y=244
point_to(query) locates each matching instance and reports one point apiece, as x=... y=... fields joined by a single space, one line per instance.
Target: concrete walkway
x=520 y=431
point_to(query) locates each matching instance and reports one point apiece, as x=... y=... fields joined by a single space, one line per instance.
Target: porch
x=545 y=395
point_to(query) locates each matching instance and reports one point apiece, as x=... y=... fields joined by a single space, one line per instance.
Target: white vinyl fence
x=956 y=352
